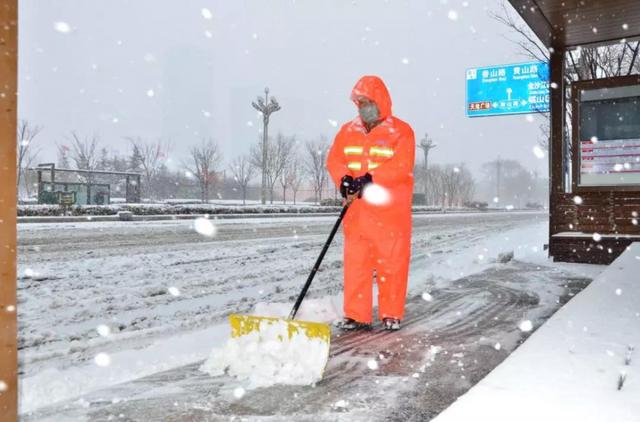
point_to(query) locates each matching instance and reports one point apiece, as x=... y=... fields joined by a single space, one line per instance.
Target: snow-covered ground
x=105 y=303
x=582 y=365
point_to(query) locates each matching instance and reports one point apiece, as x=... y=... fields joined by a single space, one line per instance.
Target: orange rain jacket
x=377 y=235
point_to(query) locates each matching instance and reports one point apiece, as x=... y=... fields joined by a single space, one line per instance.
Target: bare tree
x=435 y=187
x=508 y=180
x=63 y=156
x=585 y=62
x=277 y=157
x=458 y=183
x=205 y=162
x=284 y=148
x=150 y=157
x=296 y=176
x=84 y=151
x=243 y=172
x=315 y=163
x=25 y=153
x=291 y=170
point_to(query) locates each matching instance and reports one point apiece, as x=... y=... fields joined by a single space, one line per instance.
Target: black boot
x=350 y=324
x=391 y=324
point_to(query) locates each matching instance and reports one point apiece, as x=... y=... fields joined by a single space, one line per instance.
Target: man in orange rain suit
x=371 y=161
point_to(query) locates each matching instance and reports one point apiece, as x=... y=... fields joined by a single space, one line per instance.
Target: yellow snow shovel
x=246 y=324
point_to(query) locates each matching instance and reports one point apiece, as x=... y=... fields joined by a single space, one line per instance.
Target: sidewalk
x=570 y=368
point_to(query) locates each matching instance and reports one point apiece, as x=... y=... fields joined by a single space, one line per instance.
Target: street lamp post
x=266 y=108
x=426 y=144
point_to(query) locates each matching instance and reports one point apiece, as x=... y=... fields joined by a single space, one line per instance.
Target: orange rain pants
x=377 y=233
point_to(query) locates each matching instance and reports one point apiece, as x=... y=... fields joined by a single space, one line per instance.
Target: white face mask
x=369 y=113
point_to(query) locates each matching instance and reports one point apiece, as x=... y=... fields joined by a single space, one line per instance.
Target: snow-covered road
x=466 y=326
x=151 y=282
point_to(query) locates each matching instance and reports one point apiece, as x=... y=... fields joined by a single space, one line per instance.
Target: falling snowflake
x=553 y=85
x=62 y=27
x=496 y=199
x=538 y=152
x=372 y=364
x=332 y=122
x=341 y=404
x=150 y=93
x=619 y=292
x=102 y=359
x=405 y=60
x=103 y=330
x=3 y=386
x=597 y=237
x=427 y=297
x=238 y=392
x=529 y=118
x=204 y=226
x=525 y=326
x=625 y=26
x=28 y=272
x=376 y=194
x=577 y=200
x=206 y=13
x=594 y=139
x=188 y=174
x=452 y=15
x=174 y=291
x=497 y=346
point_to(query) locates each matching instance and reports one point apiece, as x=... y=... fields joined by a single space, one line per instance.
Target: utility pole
x=498 y=179
x=266 y=108
x=426 y=144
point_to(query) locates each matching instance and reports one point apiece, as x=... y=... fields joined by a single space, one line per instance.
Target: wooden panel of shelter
x=8 y=205
x=598 y=218
x=593 y=217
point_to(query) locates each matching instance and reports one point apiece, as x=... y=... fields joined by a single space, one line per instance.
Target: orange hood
x=375 y=90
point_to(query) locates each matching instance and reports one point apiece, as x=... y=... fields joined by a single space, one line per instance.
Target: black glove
x=360 y=182
x=345 y=185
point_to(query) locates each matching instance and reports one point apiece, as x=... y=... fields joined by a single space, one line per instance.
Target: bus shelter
x=594 y=143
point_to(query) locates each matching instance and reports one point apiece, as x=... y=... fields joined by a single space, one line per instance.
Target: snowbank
x=264 y=358
x=325 y=309
x=44 y=210
x=582 y=365
x=270 y=357
x=168 y=209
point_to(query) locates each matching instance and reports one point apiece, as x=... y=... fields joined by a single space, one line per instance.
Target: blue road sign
x=509 y=89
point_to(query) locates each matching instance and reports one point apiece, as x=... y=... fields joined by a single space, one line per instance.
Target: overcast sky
x=168 y=68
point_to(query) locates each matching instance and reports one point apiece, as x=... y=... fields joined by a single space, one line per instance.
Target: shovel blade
x=244 y=324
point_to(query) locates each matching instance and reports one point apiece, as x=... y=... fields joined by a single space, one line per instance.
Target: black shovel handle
x=303 y=293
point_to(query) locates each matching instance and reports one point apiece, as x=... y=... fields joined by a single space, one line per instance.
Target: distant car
x=534 y=206
x=476 y=204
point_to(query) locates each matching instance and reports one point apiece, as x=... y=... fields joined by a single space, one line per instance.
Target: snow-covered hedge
x=182 y=209
x=165 y=209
